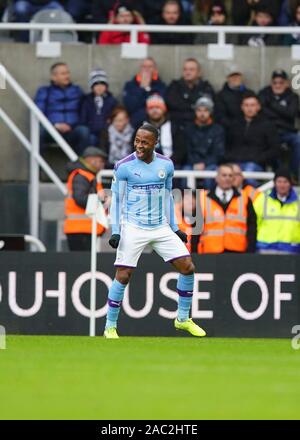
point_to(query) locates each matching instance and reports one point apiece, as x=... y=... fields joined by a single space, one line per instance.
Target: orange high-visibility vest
x=185 y=227
x=76 y=222
x=224 y=231
x=251 y=192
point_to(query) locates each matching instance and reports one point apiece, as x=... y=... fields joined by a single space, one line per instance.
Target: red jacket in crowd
x=118 y=37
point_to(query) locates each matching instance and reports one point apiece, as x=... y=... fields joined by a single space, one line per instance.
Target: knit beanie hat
x=97 y=76
x=283 y=172
x=156 y=101
x=205 y=101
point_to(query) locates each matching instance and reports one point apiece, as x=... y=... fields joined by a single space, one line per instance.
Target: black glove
x=182 y=235
x=114 y=241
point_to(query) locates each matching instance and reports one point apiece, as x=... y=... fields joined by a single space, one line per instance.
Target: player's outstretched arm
x=118 y=190
x=169 y=202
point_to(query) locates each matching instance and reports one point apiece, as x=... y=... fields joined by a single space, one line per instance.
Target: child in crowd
x=117 y=139
x=97 y=105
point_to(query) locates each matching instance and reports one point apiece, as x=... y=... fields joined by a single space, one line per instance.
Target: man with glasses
x=281 y=105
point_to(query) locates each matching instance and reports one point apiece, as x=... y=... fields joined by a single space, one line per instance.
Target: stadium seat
x=56 y=17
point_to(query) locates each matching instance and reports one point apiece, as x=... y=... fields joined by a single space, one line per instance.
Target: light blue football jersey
x=141 y=193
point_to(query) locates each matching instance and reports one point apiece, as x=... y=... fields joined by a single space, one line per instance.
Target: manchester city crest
x=161 y=174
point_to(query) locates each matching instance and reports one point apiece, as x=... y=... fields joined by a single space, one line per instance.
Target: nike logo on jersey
x=136 y=174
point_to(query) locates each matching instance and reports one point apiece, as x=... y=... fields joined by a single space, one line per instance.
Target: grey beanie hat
x=205 y=101
x=93 y=151
x=97 y=76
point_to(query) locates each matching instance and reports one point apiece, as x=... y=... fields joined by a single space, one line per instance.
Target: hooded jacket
x=278 y=223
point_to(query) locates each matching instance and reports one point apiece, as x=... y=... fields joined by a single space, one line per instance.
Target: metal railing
x=33 y=147
x=192 y=176
x=221 y=31
x=35 y=242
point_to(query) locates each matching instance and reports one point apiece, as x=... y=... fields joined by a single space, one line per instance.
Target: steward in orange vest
x=240 y=184
x=82 y=182
x=251 y=191
x=193 y=243
x=228 y=226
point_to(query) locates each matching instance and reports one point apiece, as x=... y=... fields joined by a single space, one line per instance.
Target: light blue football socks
x=115 y=297
x=185 y=287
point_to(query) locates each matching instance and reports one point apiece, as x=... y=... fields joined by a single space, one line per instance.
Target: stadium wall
x=235 y=296
x=31 y=72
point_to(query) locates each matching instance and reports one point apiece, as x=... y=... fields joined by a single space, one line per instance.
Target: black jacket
x=205 y=144
x=81 y=186
x=282 y=110
x=251 y=218
x=181 y=99
x=179 y=156
x=257 y=141
x=228 y=104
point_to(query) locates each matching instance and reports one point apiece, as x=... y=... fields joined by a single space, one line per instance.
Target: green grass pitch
x=148 y=378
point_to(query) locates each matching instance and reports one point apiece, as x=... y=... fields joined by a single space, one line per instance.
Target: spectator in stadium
x=290 y=39
x=172 y=15
x=262 y=18
x=240 y=184
x=287 y=12
x=229 y=99
x=81 y=183
x=281 y=106
x=205 y=139
x=244 y=11
x=97 y=105
x=252 y=140
x=182 y=94
x=152 y=10
x=117 y=138
x=202 y=12
x=123 y=15
x=229 y=217
x=60 y=102
x=278 y=220
x=25 y=9
x=136 y=91
x=172 y=138
x=102 y=10
x=217 y=16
